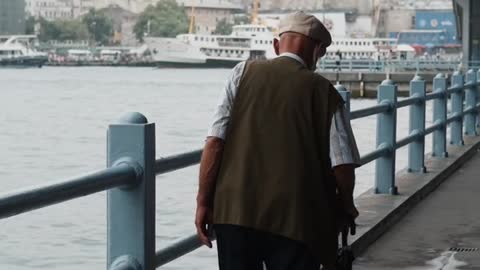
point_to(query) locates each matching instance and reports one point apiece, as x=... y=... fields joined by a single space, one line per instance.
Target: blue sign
x=438 y=20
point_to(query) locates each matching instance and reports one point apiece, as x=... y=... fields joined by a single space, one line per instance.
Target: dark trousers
x=241 y=248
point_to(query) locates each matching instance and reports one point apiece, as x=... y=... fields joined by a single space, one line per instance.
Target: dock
x=443 y=232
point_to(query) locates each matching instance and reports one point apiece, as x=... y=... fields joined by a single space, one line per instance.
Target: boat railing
x=129 y=178
x=241 y=44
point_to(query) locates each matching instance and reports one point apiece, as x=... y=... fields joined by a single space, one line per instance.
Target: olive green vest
x=275 y=174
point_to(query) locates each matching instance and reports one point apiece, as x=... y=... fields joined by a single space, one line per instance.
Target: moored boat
x=18 y=51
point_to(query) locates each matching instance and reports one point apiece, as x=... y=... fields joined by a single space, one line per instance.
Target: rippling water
x=53 y=125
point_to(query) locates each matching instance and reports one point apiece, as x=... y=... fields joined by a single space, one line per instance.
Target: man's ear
x=276 y=46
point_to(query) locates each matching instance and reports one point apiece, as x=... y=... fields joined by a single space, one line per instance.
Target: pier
x=130 y=177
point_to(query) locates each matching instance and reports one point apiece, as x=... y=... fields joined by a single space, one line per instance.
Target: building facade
x=12 y=17
x=50 y=9
x=59 y=9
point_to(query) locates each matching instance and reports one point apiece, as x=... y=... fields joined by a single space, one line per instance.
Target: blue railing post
x=386 y=137
x=416 y=149
x=131 y=209
x=346 y=95
x=439 y=148
x=470 y=102
x=478 y=97
x=456 y=127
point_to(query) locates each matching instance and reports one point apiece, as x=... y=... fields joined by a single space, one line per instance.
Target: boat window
x=196 y=38
x=201 y=38
x=261 y=41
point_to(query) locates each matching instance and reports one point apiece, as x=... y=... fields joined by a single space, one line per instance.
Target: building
x=123 y=23
x=208 y=13
x=135 y=6
x=12 y=17
x=59 y=9
x=467 y=13
x=49 y=9
x=393 y=16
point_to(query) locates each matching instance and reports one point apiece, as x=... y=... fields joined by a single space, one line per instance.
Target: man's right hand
x=347 y=215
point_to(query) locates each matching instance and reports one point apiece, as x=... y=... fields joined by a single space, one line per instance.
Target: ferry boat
x=246 y=42
x=18 y=51
x=255 y=41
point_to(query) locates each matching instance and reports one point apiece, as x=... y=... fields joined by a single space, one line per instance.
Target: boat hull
x=210 y=63
x=23 y=62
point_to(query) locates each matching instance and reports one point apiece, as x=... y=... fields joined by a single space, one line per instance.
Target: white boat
x=18 y=51
x=369 y=49
x=247 y=41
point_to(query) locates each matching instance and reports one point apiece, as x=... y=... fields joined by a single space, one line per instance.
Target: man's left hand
x=203 y=222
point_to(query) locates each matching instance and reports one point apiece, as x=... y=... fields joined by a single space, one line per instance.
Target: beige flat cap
x=305 y=24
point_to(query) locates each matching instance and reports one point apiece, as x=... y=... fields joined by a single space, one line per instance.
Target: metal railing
x=396 y=65
x=130 y=176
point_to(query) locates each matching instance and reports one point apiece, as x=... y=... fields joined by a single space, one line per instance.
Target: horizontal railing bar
x=471 y=84
x=180 y=161
x=177 y=250
x=373 y=155
x=369 y=111
x=410 y=138
x=471 y=109
x=454 y=89
x=454 y=117
x=434 y=95
x=24 y=201
x=432 y=128
x=408 y=101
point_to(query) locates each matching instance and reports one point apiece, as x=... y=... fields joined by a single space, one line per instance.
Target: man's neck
x=294 y=56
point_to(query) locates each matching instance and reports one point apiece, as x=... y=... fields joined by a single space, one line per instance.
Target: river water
x=53 y=124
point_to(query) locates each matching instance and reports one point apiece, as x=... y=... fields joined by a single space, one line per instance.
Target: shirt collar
x=294 y=56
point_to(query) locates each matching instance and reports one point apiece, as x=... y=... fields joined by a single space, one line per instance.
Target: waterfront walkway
x=448 y=218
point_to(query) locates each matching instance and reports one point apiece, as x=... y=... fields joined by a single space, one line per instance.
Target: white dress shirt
x=343 y=148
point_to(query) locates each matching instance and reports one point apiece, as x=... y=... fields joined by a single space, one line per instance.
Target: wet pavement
x=442 y=232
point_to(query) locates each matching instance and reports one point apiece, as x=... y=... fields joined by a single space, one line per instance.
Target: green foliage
x=62 y=30
x=241 y=20
x=165 y=19
x=93 y=26
x=99 y=26
x=30 y=25
x=224 y=27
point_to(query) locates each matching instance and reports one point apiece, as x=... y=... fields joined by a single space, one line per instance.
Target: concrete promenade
x=448 y=218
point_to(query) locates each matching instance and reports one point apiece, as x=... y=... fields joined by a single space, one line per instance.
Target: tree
x=62 y=30
x=30 y=25
x=241 y=20
x=99 y=26
x=165 y=19
x=225 y=28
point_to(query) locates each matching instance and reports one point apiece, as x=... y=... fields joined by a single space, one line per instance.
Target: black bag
x=345 y=256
